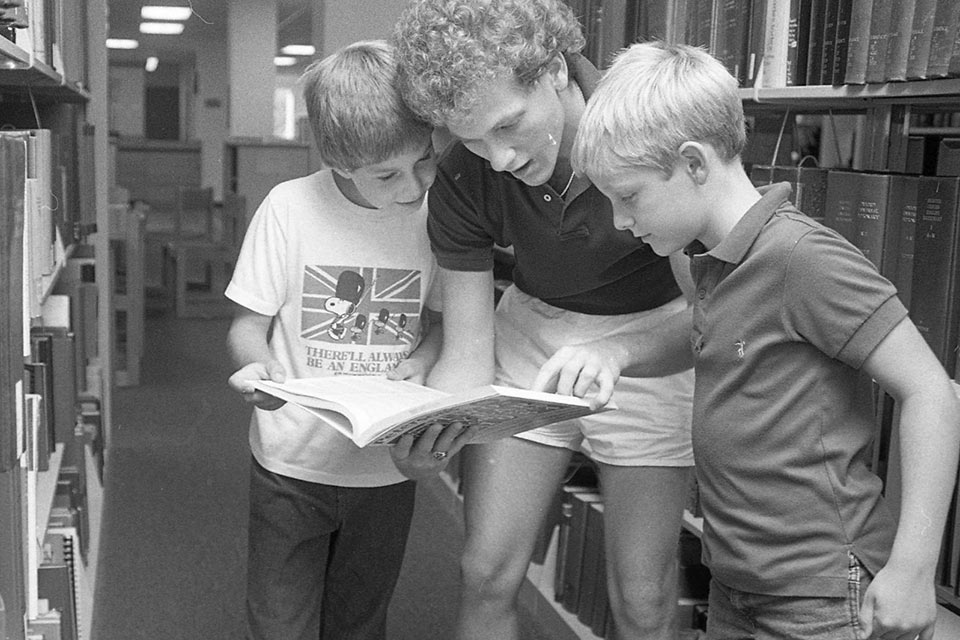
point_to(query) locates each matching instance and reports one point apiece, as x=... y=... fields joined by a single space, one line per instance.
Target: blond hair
x=654 y=97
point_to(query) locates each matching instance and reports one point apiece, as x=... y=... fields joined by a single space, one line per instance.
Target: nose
x=501 y=158
x=416 y=183
x=622 y=220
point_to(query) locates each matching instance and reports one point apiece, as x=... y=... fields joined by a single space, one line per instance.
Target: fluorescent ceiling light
x=298 y=50
x=122 y=43
x=162 y=28
x=284 y=61
x=151 y=64
x=150 y=12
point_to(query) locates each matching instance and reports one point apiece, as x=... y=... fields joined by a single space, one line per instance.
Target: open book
x=376 y=411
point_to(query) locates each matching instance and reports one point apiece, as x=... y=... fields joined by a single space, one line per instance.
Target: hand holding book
x=377 y=411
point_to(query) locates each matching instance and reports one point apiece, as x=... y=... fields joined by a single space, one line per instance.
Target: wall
x=126 y=86
x=346 y=22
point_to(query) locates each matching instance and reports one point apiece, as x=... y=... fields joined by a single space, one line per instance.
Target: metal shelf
x=21 y=74
x=855 y=97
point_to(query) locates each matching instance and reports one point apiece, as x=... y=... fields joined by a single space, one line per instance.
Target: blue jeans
x=736 y=615
x=323 y=560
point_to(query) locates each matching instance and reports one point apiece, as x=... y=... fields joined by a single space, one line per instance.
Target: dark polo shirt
x=567 y=254
x=786 y=312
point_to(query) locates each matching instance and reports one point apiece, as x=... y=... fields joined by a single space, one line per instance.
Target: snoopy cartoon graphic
x=343 y=303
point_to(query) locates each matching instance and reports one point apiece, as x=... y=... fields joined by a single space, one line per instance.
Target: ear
x=557 y=72
x=694 y=161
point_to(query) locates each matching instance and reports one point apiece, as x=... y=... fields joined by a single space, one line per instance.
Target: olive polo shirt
x=786 y=312
x=567 y=254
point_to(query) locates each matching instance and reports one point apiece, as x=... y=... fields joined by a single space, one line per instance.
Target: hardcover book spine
x=879 y=40
x=829 y=42
x=816 y=16
x=945 y=28
x=898 y=45
x=777 y=27
x=871 y=222
x=921 y=35
x=841 y=42
x=858 y=42
x=933 y=295
x=905 y=206
x=843 y=193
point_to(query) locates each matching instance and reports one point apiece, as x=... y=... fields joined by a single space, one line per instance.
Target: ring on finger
x=439 y=455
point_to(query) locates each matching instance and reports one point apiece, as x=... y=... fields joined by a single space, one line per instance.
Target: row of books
x=779 y=43
x=907 y=225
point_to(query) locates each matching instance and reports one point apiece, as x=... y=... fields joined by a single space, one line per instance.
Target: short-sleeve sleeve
x=259 y=279
x=834 y=298
x=458 y=235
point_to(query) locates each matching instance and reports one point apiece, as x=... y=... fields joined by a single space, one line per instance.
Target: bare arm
x=247 y=344
x=465 y=360
x=901 y=600
x=418 y=364
x=466 y=357
x=661 y=350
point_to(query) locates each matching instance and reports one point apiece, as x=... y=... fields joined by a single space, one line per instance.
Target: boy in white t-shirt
x=334 y=278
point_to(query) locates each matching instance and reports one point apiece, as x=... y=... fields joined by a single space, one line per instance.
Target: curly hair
x=449 y=49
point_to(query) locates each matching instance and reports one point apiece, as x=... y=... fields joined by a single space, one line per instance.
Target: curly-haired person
x=506 y=79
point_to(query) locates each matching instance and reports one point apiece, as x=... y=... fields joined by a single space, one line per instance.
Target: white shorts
x=651 y=426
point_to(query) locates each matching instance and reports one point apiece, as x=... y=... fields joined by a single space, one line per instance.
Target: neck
x=735 y=194
x=571 y=99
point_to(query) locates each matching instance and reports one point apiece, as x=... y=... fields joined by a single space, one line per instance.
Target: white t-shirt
x=347 y=286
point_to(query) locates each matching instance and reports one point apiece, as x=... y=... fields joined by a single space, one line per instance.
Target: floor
x=173 y=537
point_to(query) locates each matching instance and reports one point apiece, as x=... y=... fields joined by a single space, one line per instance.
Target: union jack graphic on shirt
x=361 y=305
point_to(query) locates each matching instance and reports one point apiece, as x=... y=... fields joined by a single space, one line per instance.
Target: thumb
x=276 y=372
x=866 y=615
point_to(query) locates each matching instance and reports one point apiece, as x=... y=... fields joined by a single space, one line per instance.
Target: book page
x=363 y=400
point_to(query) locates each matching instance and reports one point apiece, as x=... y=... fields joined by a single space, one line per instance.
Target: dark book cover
x=593 y=558
x=871 y=219
x=948 y=157
x=904 y=204
x=841 y=42
x=758 y=11
x=798 y=42
x=953 y=69
x=898 y=45
x=946 y=23
x=810 y=189
x=12 y=177
x=574 y=550
x=934 y=295
x=858 y=41
x=829 y=41
x=879 y=41
x=816 y=12
x=843 y=194
x=921 y=34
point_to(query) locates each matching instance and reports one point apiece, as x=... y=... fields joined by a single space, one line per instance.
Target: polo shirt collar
x=583 y=71
x=734 y=247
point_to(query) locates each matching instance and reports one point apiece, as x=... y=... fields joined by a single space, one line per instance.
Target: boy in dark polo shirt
x=787 y=317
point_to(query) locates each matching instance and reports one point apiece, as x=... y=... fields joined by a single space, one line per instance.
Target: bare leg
x=508 y=486
x=643 y=507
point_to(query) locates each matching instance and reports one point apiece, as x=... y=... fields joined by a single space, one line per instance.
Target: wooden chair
x=199 y=269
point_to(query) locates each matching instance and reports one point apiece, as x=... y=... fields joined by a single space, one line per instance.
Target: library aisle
x=173 y=538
